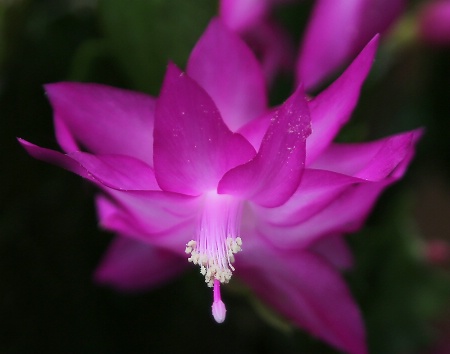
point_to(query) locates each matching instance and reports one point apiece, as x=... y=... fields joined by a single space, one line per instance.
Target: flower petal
x=318 y=188
x=255 y=130
x=241 y=15
x=162 y=219
x=308 y=291
x=226 y=68
x=332 y=108
x=335 y=250
x=56 y=158
x=275 y=172
x=131 y=265
x=434 y=22
x=113 y=171
x=337 y=31
x=118 y=172
x=102 y=119
x=371 y=161
x=341 y=204
x=344 y=214
x=193 y=147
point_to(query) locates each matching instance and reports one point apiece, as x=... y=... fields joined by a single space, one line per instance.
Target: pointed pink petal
x=131 y=265
x=275 y=172
x=116 y=171
x=102 y=119
x=241 y=15
x=343 y=203
x=308 y=291
x=56 y=158
x=316 y=191
x=193 y=147
x=336 y=33
x=331 y=109
x=162 y=219
x=229 y=72
x=255 y=130
x=434 y=22
x=335 y=250
x=343 y=215
x=275 y=48
x=371 y=161
x=113 y=171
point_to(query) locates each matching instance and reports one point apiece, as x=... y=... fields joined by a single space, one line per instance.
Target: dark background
x=50 y=243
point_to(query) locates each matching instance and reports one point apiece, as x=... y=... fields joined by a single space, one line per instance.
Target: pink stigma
x=218 y=307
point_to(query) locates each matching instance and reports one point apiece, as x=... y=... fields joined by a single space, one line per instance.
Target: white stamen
x=217 y=238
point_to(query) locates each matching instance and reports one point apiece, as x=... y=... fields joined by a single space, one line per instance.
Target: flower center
x=217 y=238
x=216 y=244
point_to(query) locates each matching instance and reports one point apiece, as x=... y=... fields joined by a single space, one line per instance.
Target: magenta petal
x=275 y=172
x=308 y=291
x=344 y=214
x=241 y=15
x=56 y=158
x=166 y=220
x=118 y=172
x=434 y=22
x=318 y=188
x=337 y=31
x=335 y=250
x=338 y=206
x=130 y=265
x=193 y=147
x=275 y=47
x=226 y=68
x=255 y=130
x=371 y=161
x=332 y=108
x=102 y=119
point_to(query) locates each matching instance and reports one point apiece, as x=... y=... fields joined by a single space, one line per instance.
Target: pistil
x=218 y=307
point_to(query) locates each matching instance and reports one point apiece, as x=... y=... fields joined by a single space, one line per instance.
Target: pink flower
x=434 y=22
x=206 y=173
x=252 y=20
x=336 y=32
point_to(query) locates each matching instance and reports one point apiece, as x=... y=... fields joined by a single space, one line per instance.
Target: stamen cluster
x=215 y=265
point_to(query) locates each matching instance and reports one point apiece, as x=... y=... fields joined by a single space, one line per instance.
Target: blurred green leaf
x=143 y=35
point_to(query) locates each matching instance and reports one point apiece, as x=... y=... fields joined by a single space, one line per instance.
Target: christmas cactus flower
x=253 y=21
x=207 y=174
x=434 y=22
x=335 y=33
